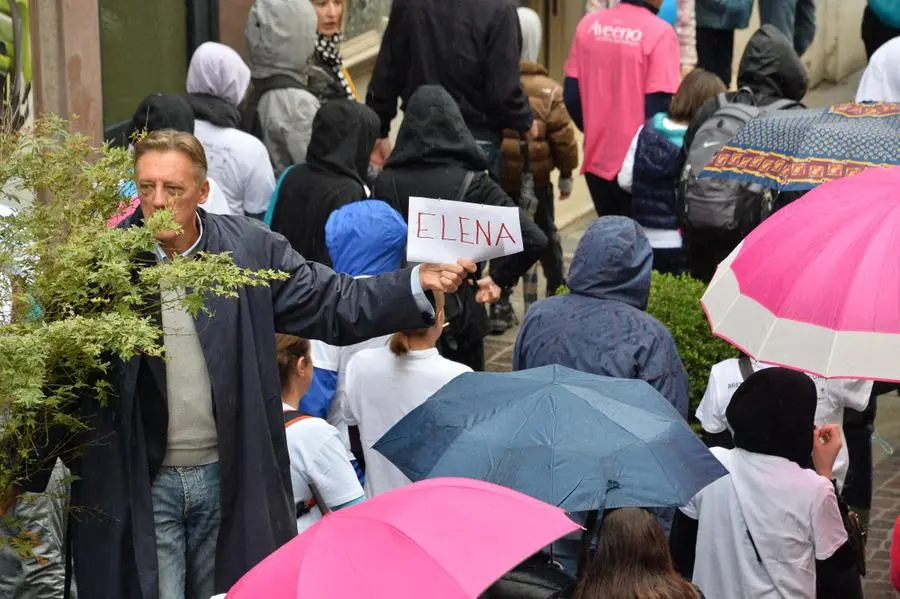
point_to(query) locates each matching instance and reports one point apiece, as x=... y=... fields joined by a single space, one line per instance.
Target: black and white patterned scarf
x=328 y=51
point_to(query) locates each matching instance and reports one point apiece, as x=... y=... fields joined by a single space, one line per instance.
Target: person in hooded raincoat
x=217 y=81
x=434 y=153
x=601 y=326
x=771 y=70
x=337 y=162
x=130 y=536
x=364 y=239
x=281 y=38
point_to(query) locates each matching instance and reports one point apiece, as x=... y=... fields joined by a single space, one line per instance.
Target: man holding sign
x=470 y=216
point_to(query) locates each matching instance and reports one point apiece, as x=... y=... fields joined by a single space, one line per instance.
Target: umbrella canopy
x=441 y=539
x=576 y=440
x=815 y=287
x=795 y=150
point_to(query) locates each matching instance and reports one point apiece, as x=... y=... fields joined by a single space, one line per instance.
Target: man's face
x=168 y=180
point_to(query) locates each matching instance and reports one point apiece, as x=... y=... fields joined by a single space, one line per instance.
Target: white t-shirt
x=240 y=165
x=381 y=389
x=791 y=515
x=336 y=359
x=216 y=202
x=319 y=457
x=832 y=396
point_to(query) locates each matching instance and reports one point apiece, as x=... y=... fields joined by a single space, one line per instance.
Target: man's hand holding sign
x=440 y=231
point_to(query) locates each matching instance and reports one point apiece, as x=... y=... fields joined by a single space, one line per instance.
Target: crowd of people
x=279 y=163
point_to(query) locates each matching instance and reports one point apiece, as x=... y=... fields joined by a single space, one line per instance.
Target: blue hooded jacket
x=601 y=326
x=364 y=238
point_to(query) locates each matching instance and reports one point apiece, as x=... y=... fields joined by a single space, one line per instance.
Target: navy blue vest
x=655 y=180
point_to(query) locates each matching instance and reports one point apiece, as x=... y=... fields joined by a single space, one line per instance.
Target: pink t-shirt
x=618 y=56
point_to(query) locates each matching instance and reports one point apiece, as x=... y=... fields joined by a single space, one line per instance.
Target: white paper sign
x=444 y=230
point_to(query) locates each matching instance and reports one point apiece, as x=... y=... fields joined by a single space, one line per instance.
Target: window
x=145 y=48
x=364 y=16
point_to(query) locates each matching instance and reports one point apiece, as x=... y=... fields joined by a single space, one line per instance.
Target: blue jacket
x=655 y=177
x=364 y=238
x=601 y=326
x=723 y=14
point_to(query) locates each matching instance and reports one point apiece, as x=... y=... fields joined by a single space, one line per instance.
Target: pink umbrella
x=816 y=287
x=442 y=538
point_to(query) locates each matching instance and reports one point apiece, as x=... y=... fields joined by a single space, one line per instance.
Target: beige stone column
x=66 y=60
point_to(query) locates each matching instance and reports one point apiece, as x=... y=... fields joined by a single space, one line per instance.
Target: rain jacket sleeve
x=317 y=303
x=561 y=133
x=507 y=271
x=666 y=373
x=503 y=88
x=391 y=67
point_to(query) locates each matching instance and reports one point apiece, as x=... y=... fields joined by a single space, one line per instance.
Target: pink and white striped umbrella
x=816 y=287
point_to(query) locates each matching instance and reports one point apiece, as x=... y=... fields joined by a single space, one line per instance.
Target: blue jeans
x=186 y=516
x=795 y=18
x=491 y=152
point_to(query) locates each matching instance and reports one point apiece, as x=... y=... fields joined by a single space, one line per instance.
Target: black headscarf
x=334 y=174
x=214 y=110
x=773 y=412
x=434 y=133
x=162 y=111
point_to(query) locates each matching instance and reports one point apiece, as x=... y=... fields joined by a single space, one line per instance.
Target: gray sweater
x=192 y=436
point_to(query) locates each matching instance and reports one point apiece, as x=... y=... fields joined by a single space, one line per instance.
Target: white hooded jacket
x=237 y=161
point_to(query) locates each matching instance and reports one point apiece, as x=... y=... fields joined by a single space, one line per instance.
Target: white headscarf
x=532 y=33
x=881 y=80
x=218 y=71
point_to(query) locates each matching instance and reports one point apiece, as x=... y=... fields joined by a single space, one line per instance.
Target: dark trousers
x=470 y=354
x=795 y=18
x=875 y=32
x=706 y=248
x=715 y=52
x=552 y=258
x=668 y=261
x=609 y=199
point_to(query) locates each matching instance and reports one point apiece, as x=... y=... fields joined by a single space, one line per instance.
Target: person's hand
x=826 y=445
x=686 y=69
x=445 y=277
x=488 y=291
x=563 y=196
x=380 y=152
x=533 y=132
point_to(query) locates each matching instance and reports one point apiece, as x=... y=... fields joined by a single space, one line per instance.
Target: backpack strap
x=464 y=188
x=293 y=417
x=745 y=366
x=782 y=104
x=270 y=211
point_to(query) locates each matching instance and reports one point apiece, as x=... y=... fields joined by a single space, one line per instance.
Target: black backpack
x=716 y=202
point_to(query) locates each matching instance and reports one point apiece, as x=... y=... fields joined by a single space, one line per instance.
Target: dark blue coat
x=113 y=538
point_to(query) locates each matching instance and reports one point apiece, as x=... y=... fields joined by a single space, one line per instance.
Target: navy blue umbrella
x=572 y=439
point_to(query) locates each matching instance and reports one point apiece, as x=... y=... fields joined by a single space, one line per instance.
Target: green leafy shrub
x=74 y=292
x=675 y=302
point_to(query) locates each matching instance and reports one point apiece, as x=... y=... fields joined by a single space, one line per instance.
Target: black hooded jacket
x=770 y=68
x=470 y=47
x=434 y=152
x=343 y=135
